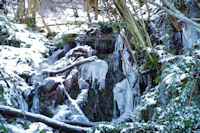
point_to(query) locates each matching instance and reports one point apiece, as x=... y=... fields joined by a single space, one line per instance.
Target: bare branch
x=89 y=59
x=176 y=14
x=9 y=111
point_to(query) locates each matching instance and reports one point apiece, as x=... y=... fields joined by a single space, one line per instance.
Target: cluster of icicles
x=92 y=74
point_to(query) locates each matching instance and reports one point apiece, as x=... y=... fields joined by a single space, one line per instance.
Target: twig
x=70 y=22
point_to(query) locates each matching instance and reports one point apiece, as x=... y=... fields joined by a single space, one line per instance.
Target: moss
x=4 y=129
x=28 y=46
x=103 y=56
x=25 y=76
x=2 y=99
x=51 y=34
x=113 y=128
x=30 y=62
x=14 y=43
x=46 y=111
x=41 y=31
x=67 y=37
x=43 y=131
x=25 y=125
x=60 y=43
x=74 y=91
x=30 y=22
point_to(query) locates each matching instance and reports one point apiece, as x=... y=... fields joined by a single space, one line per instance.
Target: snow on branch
x=68 y=68
x=174 y=12
x=9 y=111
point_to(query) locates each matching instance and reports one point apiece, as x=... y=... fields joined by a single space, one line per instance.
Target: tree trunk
x=96 y=9
x=87 y=6
x=29 y=7
x=21 y=11
x=34 y=8
x=40 y=12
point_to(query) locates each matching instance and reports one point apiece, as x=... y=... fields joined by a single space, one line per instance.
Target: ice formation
x=190 y=35
x=126 y=92
x=91 y=73
x=95 y=72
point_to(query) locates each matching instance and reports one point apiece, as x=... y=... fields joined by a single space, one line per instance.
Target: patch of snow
x=61 y=113
x=33 y=128
x=168 y=79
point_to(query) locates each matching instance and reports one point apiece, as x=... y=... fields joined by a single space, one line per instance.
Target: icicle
x=36 y=101
x=190 y=35
x=127 y=92
x=115 y=57
x=95 y=72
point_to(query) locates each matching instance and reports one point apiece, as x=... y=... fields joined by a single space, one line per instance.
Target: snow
x=151 y=100
x=19 y=62
x=61 y=112
x=168 y=79
x=34 y=127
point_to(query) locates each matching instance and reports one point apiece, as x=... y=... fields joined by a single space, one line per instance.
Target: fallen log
x=9 y=111
x=68 y=68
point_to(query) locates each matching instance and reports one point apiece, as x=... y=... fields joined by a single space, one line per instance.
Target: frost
x=183 y=76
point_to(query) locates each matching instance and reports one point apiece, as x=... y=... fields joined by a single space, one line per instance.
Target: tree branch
x=174 y=12
x=75 y=128
x=86 y=60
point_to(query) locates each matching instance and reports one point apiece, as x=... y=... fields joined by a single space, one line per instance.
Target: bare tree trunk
x=40 y=12
x=87 y=6
x=96 y=9
x=34 y=8
x=29 y=7
x=21 y=11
